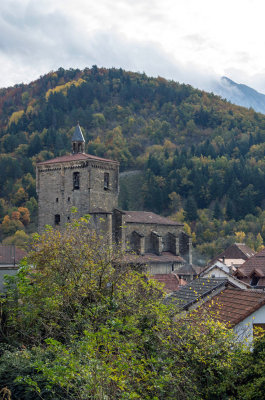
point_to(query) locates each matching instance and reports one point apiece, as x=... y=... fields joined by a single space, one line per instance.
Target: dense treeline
x=198 y=152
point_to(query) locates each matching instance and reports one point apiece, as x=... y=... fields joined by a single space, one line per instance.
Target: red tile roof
x=257 y=262
x=75 y=157
x=170 y=282
x=232 y=305
x=147 y=217
x=10 y=254
x=235 y=251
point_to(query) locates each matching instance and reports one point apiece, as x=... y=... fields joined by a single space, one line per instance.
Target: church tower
x=86 y=182
x=91 y=185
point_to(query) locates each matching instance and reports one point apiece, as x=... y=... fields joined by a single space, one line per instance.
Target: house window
x=57 y=199
x=106 y=180
x=57 y=219
x=76 y=180
x=69 y=199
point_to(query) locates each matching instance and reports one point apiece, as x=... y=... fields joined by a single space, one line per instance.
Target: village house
x=234 y=256
x=252 y=271
x=90 y=184
x=10 y=256
x=220 y=270
x=241 y=310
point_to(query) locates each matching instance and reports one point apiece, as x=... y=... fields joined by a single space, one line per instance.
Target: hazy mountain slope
x=240 y=94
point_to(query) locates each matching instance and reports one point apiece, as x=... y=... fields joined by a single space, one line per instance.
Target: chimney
x=190 y=250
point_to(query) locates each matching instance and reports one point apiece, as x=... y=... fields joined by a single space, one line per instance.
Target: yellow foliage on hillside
x=15 y=117
x=29 y=110
x=64 y=88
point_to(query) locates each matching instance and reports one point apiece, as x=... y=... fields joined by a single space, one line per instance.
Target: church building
x=91 y=185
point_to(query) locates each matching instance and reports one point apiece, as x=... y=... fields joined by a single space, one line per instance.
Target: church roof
x=78 y=135
x=165 y=257
x=147 y=217
x=76 y=157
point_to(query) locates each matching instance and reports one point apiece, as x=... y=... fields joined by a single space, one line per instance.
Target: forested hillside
x=202 y=158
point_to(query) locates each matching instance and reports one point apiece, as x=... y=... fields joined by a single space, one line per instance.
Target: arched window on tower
x=76 y=181
x=106 y=181
x=57 y=219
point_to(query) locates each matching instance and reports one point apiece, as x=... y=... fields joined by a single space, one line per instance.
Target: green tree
x=79 y=325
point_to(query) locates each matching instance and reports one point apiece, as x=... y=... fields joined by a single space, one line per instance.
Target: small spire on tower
x=78 y=141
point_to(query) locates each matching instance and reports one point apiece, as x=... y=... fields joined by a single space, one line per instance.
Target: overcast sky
x=189 y=41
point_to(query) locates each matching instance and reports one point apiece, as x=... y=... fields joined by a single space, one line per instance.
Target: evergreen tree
x=217 y=213
x=191 y=213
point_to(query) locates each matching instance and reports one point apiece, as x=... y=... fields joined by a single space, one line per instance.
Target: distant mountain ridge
x=240 y=94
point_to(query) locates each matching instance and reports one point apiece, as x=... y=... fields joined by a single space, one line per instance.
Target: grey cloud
x=242 y=57
x=196 y=39
x=36 y=40
x=44 y=41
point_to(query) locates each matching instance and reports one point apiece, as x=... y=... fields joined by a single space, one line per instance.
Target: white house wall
x=244 y=330
x=217 y=272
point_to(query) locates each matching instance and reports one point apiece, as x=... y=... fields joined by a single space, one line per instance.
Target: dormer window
x=76 y=181
x=254 y=280
x=106 y=181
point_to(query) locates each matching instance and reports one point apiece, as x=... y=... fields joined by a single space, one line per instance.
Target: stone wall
x=152 y=244
x=163 y=268
x=102 y=224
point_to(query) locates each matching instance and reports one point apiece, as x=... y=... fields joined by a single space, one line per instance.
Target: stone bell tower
x=86 y=182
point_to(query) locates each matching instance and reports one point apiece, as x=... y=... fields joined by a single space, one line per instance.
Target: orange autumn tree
x=24 y=215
